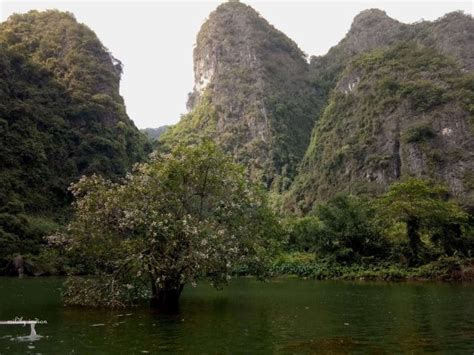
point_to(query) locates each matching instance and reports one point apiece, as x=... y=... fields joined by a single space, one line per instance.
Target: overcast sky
x=155 y=39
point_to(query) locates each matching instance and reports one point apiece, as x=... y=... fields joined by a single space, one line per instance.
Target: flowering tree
x=183 y=217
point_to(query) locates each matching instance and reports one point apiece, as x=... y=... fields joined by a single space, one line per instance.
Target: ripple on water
x=27 y=338
x=332 y=345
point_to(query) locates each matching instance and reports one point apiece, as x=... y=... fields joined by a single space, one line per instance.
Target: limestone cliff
x=251 y=94
x=389 y=100
x=402 y=111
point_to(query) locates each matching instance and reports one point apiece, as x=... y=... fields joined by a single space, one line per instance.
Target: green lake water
x=281 y=316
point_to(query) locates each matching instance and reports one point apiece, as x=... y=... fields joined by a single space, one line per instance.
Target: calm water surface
x=282 y=316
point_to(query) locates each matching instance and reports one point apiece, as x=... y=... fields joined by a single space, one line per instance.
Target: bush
x=348 y=231
x=297 y=263
x=424 y=95
x=445 y=268
x=419 y=133
x=302 y=234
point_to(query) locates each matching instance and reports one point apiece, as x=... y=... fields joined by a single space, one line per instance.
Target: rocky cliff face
x=252 y=94
x=399 y=104
x=389 y=100
x=452 y=35
x=373 y=29
x=370 y=29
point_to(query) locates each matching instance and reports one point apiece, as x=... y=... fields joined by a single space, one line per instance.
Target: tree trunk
x=413 y=232
x=166 y=300
x=452 y=240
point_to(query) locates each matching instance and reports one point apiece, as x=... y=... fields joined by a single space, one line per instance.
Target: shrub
x=419 y=133
x=302 y=234
x=348 y=231
x=423 y=95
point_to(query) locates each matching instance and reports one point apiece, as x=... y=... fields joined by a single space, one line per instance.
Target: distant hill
x=154 y=134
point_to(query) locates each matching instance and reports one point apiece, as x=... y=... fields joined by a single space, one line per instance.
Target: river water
x=280 y=316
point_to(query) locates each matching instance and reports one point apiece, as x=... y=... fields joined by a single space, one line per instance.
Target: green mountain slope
x=402 y=111
x=349 y=150
x=61 y=116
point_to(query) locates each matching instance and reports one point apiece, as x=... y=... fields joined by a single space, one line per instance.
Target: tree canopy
x=419 y=204
x=183 y=217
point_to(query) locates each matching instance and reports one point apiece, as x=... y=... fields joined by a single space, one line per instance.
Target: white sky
x=155 y=39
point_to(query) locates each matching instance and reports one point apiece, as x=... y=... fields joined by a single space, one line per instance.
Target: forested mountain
x=61 y=116
x=252 y=94
x=399 y=104
x=389 y=101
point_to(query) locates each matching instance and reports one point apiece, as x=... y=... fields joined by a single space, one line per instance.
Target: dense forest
x=355 y=164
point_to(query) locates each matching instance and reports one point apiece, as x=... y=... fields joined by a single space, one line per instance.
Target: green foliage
x=295 y=263
x=302 y=233
x=61 y=116
x=186 y=216
x=197 y=125
x=419 y=133
x=154 y=134
x=423 y=94
x=21 y=234
x=450 y=268
x=395 y=236
x=343 y=230
x=421 y=199
x=70 y=51
x=420 y=205
x=304 y=265
x=348 y=232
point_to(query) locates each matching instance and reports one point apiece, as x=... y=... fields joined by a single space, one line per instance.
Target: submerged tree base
x=105 y=292
x=166 y=301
